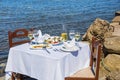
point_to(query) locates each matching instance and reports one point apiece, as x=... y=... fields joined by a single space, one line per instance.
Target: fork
x=54 y=50
x=46 y=49
x=58 y=50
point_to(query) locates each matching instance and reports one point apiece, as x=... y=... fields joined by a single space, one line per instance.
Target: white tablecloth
x=44 y=66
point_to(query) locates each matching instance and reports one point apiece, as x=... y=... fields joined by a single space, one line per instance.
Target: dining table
x=49 y=63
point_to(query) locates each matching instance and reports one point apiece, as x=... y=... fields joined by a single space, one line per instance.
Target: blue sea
x=50 y=15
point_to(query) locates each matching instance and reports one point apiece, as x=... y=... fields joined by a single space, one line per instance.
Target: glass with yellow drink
x=64 y=36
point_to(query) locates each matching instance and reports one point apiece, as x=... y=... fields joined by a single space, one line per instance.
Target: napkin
x=72 y=42
x=46 y=36
x=70 y=45
x=40 y=38
x=40 y=33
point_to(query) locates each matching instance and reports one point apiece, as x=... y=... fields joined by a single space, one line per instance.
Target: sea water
x=50 y=15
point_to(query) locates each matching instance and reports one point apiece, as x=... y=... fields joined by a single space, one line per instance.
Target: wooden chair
x=94 y=43
x=18 y=34
x=92 y=72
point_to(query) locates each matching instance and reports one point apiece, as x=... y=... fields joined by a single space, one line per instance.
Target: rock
x=114 y=75
x=110 y=68
x=2 y=68
x=109 y=33
x=102 y=73
x=114 y=23
x=116 y=19
x=116 y=32
x=112 y=45
x=112 y=62
x=2 y=77
x=117 y=13
x=100 y=29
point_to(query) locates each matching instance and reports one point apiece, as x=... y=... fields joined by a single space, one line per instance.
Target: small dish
x=75 y=48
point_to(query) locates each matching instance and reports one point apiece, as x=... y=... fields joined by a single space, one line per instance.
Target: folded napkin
x=40 y=34
x=70 y=45
x=40 y=39
x=46 y=36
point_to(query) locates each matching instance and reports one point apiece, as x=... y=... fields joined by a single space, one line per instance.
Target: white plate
x=33 y=41
x=39 y=46
x=70 y=50
x=54 y=44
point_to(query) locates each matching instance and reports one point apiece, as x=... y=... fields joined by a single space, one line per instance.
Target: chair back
x=95 y=57
x=16 y=37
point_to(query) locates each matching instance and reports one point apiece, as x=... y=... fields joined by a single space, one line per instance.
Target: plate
x=54 y=40
x=39 y=46
x=57 y=43
x=70 y=50
x=36 y=42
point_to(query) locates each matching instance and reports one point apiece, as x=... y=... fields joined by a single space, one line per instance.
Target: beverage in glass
x=71 y=34
x=64 y=36
x=35 y=35
x=77 y=36
x=30 y=35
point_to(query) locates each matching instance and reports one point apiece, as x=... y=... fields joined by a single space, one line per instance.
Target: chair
x=94 y=43
x=18 y=35
x=92 y=72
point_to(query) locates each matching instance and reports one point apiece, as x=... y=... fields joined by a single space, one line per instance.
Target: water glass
x=77 y=36
x=71 y=34
x=30 y=35
x=35 y=35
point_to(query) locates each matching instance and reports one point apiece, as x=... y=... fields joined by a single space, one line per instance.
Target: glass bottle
x=64 y=33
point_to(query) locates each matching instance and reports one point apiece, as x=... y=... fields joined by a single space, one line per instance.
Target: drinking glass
x=35 y=35
x=30 y=35
x=77 y=36
x=71 y=34
x=64 y=33
x=64 y=36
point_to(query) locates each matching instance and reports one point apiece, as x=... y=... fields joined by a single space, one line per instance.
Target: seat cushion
x=87 y=72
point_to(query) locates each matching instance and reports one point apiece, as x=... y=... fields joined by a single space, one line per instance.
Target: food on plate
x=54 y=40
x=40 y=46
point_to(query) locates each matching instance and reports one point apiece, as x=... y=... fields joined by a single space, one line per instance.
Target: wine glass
x=71 y=34
x=77 y=36
x=30 y=35
x=35 y=35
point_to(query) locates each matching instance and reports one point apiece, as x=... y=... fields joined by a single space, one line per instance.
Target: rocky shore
x=109 y=34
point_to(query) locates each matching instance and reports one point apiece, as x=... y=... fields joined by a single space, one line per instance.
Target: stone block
x=117 y=13
x=116 y=19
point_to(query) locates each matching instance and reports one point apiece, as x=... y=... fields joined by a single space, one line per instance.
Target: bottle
x=64 y=33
